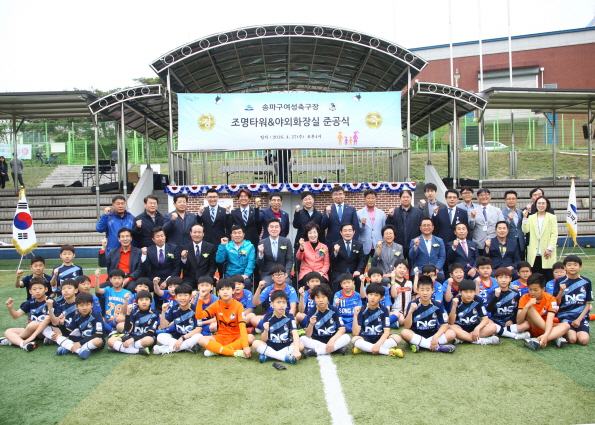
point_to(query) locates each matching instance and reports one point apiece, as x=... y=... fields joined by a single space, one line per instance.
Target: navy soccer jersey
x=132 y=301
x=327 y=323
x=503 y=308
x=85 y=328
x=373 y=323
x=168 y=298
x=280 y=328
x=427 y=319
x=469 y=315
x=37 y=311
x=578 y=293
x=141 y=323
x=67 y=272
x=265 y=296
x=69 y=311
x=181 y=321
x=245 y=299
x=346 y=305
x=27 y=284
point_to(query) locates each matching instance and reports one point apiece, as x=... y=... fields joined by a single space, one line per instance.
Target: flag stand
x=571 y=250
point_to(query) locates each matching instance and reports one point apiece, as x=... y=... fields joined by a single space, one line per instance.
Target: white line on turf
x=335 y=400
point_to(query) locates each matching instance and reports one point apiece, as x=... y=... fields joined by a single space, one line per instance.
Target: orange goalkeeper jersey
x=230 y=317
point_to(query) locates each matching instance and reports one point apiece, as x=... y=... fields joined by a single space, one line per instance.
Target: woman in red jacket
x=314 y=255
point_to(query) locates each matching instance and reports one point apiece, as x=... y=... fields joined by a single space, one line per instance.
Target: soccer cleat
x=279 y=366
x=240 y=354
x=61 y=351
x=396 y=352
x=144 y=351
x=340 y=351
x=301 y=332
x=591 y=317
x=84 y=354
x=194 y=349
x=47 y=341
x=561 y=342
x=446 y=348
x=489 y=340
x=356 y=350
x=257 y=331
x=210 y=353
x=262 y=358
x=533 y=344
x=414 y=347
x=5 y=341
x=522 y=335
x=290 y=360
x=162 y=349
x=30 y=346
x=308 y=352
x=458 y=341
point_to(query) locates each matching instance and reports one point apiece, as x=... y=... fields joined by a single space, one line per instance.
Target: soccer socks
x=119 y=346
x=169 y=341
x=427 y=342
x=189 y=343
x=508 y=331
x=320 y=347
x=215 y=347
x=367 y=346
x=269 y=352
x=48 y=332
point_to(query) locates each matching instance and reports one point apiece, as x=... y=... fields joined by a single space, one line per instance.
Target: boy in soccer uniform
x=205 y=293
x=85 y=331
x=139 y=327
x=231 y=339
x=346 y=300
x=559 y=271
x=182 y=328
x=451 y=286
x=325 y=333
x=67 y=270
x=141 y=284
x=39 y=318
x=167 y=296
x=485 y=283
x=244 y=296
x=37 y=267
x=439 y=288
x=426 y=322
x=84 y=285
x=524 y=271
x=400 y=291
x=469 y=319
x=376 y=276
x=114 y=299
x=574 y=295
x=306 y=302
x=279 y=339
x=65 y=309
x=539 y=308
x=502 y=304
x=263 y=294
x=371 y=326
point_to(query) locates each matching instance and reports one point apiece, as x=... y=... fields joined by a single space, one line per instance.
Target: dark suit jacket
x=515 y=231
x=266 y=215
x=332 y=224
x=142 y=235
x=214 y=232
x=170 y=267
x=426 y=209
x=467 y=260
x=511 y=256
x=252 y=228
x=300 y=219
x=421 y=257
x=205 y=266
x=443 y=227
x=284 y=256
x=406 y=224
x=340 y=263
x=178 y=230
x=112 y=260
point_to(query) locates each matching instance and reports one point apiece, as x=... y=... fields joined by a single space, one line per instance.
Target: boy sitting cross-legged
x=279 y=339
x=469 y=319
x=371 y=326
x=139 y=327
x=426 y=322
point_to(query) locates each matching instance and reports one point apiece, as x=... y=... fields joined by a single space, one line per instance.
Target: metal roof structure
x=435 y=103
x=288 y=57
x=46 y=105
x=564 y=101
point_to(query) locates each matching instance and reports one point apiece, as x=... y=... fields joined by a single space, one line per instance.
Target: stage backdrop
x=289 y=120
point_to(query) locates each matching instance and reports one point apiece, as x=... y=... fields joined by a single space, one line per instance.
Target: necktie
x=245 y=214
x=274 y=249
x=161 y=257
x=340 y=213
x=197 y=251
x=450 y=214
x=464 y=245
x=213 y=214
x=485 y=216
x=348 y=249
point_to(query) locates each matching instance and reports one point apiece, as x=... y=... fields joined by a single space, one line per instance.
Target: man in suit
x=347 y=256
x=372 y=220
x=428 y=207
x=215 y=221
x=146 y=221
x=338 y=214
x=483 y=222
x=247 y=217
x=160 y=260
x=126 y=257
x=463 y=251
x=406 y=220
x=514 y=218
x=197 y=257
x=303 y=216
x=274 y=211
x=445 y=219
x=428 y=249
x=503 y=250
x=274 y=250
x=177 y=224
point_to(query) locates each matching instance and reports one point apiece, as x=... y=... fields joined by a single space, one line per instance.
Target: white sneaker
x=522 y=335
x=458 y=341
x=162 y=349
x=5 y=341
x=561 y=342
x=488 y=340
x=210 y=353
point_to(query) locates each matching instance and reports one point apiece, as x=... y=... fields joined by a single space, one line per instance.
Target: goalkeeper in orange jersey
x=231 y=339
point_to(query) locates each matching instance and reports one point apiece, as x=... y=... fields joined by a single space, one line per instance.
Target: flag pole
x=572 y=223
x=20 y=262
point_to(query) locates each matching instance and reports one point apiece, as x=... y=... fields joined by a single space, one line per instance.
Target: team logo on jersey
x=331 y=321
x=474 y=311
x=233 y=316
x=583 y=289
x=434 y=315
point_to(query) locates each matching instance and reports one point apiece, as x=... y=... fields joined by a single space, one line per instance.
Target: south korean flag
x=23 y=234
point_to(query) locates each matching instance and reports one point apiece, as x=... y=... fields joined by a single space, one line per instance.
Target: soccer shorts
x=372 y=339
x=233 y=342
x=584 y=326
x=535 y=331
x=468 y=328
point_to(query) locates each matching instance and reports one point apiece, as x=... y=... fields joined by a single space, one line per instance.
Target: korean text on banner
x=572 y=214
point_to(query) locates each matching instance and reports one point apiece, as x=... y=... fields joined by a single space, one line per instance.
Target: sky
x=63 y=44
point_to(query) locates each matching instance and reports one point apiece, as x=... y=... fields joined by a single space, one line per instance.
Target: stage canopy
x=45 y=105
x=563 y=101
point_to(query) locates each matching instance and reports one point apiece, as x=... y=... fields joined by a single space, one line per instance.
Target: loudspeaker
x=160 y=181
x=107 y=187
x=586 y=132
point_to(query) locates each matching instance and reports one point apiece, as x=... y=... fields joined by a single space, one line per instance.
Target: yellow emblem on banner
x=374 y=120
x=206 y=122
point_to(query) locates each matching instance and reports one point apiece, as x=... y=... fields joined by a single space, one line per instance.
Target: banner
x=23 y=151
x=23 y=234
x=572 y=214
x=289 y=121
